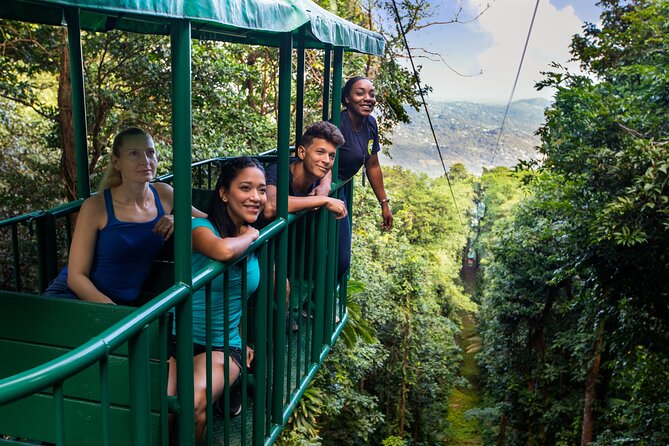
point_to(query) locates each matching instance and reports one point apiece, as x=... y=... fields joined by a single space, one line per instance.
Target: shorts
x=235 y=353
x=58 y=287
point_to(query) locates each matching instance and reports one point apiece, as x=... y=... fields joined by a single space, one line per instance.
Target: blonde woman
x=120 y=230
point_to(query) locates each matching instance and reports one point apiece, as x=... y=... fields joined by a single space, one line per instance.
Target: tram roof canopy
x=248 y=21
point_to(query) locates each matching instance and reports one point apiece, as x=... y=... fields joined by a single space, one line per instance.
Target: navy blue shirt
x=359 y=146
x=271 y=177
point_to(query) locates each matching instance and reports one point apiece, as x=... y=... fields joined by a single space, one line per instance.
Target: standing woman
x=360 y=150
x=239 y=198
x=121 y=230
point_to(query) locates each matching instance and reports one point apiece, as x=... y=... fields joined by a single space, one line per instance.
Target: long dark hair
x=217 y=213
x=346 y=91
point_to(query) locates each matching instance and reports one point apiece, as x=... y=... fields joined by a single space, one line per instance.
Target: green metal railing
x=285 y=363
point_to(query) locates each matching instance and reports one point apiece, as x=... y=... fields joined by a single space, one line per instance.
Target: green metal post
x=17 y=257
x=181 y=135
x=47 y=249
x=260 y=370
x=140 y=383
x=319 y=284
x=327 y=62
x=330 y=278
x=78 y=100
x=299 y=101
x=105 y=401
x=336 y=101
x=338 y=72
x=59 y=408
x=283 y=152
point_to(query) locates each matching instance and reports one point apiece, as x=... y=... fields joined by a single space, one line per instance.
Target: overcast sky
x=492 y=45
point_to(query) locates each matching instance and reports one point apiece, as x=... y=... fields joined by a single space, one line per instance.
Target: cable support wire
x=427 y=112
x=515 y=82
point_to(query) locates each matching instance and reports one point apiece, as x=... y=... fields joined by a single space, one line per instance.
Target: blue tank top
x=124 y=253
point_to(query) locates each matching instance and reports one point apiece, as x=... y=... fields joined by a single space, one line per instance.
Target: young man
x=315 y=158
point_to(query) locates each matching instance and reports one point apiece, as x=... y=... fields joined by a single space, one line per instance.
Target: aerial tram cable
x=427 y=112
x=515 y=82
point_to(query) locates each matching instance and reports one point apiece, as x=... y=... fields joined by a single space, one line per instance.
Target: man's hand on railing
x=249 y=356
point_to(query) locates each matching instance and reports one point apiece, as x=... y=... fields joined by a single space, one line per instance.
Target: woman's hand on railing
x=165 y=226
x=249 y=230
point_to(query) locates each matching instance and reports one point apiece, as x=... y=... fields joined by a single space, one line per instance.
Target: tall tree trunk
x=591 y=387
x=501 y=437
x=68 y=169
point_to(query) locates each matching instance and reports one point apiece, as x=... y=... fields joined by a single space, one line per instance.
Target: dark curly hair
x=323 y=130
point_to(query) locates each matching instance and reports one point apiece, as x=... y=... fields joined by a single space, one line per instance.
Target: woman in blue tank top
x=120 y=231
x=238 y=199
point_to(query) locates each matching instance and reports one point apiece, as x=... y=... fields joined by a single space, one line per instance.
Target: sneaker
x=235 y=403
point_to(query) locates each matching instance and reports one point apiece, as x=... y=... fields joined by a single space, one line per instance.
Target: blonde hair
x=112 y=177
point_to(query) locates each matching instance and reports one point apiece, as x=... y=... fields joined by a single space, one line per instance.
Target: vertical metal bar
x=301 y=299
x=164 y=376
x=140 y=385
x=338 y=69
x=299 y=101
x=272 y=342
x=244 y=334
x=59 y=408
x=46 y=249
x=78 y=100
x=336 y=102
x=289 y=310
x=311 y=285
x=260 y=369
x=208 y=361
x=181 y=135
x=330 y=280
x=17 y=257
x=327 y=63
x=226 y=359
x=105 y=400
x=68 y=230
x=285 y=78
x=319 y=285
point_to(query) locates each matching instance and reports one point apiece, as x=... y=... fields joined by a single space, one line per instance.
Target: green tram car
x=80 y=373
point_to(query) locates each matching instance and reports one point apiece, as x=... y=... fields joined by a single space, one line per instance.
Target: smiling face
x=245 y=198
x=319 y=157
x=137 y=160
x=362 y=98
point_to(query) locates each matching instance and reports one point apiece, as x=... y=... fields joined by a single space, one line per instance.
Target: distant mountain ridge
x=467 y=133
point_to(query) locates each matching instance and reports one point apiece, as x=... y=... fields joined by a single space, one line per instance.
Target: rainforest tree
x=576 y=321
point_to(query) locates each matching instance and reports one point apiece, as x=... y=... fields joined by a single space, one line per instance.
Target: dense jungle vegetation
x=571 y=299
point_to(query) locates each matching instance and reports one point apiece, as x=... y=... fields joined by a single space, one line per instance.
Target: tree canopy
x=574 y=316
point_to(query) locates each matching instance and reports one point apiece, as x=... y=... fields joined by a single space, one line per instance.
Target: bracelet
x=384 y=201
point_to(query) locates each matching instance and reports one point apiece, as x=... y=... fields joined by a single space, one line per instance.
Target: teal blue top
x=218 y=295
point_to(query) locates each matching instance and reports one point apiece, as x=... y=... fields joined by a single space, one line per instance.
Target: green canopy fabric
x=249 y=21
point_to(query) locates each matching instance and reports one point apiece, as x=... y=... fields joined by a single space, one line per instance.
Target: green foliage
x=577 y=275
x=396 y=387
x=356 y=327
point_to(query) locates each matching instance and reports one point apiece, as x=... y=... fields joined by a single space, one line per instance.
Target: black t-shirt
x=359 y=146
x=271 y=177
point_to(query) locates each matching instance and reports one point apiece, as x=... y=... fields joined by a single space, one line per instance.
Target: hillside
x=467 y=134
